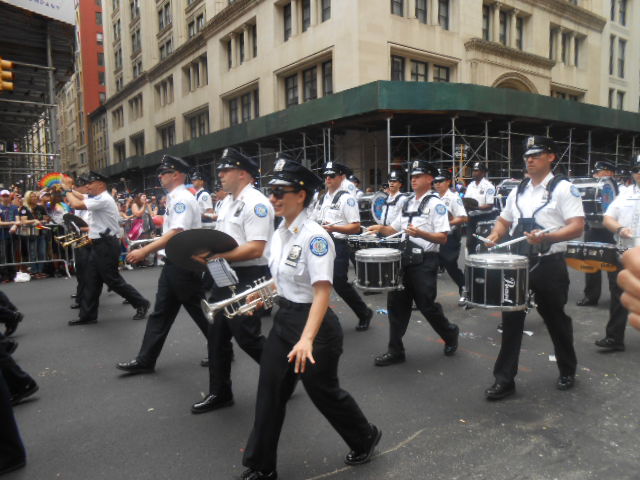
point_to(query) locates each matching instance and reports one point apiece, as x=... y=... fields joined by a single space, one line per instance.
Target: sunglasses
x=331 y=175
x=279 y=192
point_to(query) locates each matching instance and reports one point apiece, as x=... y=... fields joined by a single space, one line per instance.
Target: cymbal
x=185 y=244
x=71 y=218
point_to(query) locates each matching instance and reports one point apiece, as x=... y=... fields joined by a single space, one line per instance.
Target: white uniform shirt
x=454 y=204
x=483 y=192
x=104 y=215
x=345 y=211
x=182 y=211
x=626 y=209
x=434 y=219
x=301 y=255
x=204 y=200
x=84 y=214
x=565 y=203
x=393 y=211
x=350 y=187
x=247 y=218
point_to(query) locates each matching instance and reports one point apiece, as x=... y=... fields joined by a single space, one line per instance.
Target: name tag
x=294 y=256
x=239 y=210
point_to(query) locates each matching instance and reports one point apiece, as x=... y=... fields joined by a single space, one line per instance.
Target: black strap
x=551 y=186
x=392 y=203
x=200 y=193
x=421 y=207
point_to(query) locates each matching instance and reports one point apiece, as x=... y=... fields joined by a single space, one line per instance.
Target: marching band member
x=541 y=201
x=177 y=286
x=424 y=220
x=449 y=252
x=593 y=281
x=306 y=339
x=356 y=182
x=203 y=197
x=483 y=191
x=81 y=254
x=337 y=211
x=395 y=201
x=104 y=254
x=248 y=217
x=622 y=219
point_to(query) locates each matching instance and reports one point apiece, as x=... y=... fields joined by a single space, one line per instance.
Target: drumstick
x=482 y=239
x=520 y=239
x=400 y=233
x=330 y=224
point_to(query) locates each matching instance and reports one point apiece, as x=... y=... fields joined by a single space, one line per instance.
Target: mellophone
x=378 y=262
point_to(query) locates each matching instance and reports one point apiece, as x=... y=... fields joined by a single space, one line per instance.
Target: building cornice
x=564 y=9
x=494 y=48
x=218 y=22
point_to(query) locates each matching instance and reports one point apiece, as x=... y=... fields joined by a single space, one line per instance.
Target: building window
x=443 y=14
x=241 y=47
x=327 y=78
x=99 y=38
x=200 y=22
x=118 y=58
x=552 y=43
x=397 y=7
x=98 y=18
x=119 y=151
x=441 y=74
x=611 y=95
x=291 y=90
x=622 y=45
x=166 y=49
x=577 y=45
x=486 y=22
x=164 y=92
x=310 y=83
x=620 y=105
x=167 y=135
x=101 y=78
x=134 y=6
x=504 y=27
x=164 y=16
x=520 y=33
x=566 y=39
x=418 y=71
x=229 y=54
x=196 y=74
x=135 y=107
x=198 y=124
x=137 y=68
x=100 y=59
x=137 y=145
x=136 y=41
x=397 y=68
x=421 y=11
x=613 y=14
x=102 y=97
x=119 y=83
x=286 y=15
x=306 y=15
x=191 y=29
x=612 y=49
x=115 y=5
x=116 y=30
x=326 y=10
x=253 y=30
x=245 y=103
x=622 y=12
x=256 y=103
x=233 y=111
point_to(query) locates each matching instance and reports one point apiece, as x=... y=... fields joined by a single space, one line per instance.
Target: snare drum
x=378 y=269
x=497 y=281
x=358 y=242
x=591 y=257
x=483 y=229
x=597 y=194
x=396 y=243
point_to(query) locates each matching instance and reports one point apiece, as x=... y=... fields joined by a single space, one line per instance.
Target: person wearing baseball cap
x=337 y=211
x=425 y=223
x=482 y=191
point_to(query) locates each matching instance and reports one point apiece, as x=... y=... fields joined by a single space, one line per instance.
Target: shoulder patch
x=491 y=191
x=351 y=187
x=351 y=202
x=574 y=191
x=261 y=210
x=441 y=209
x=179 y=207
x=319 y=246
x=459 y=201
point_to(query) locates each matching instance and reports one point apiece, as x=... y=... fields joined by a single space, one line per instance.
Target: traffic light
x=6 y=75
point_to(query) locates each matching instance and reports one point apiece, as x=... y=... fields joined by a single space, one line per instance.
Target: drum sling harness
x=392 y=203
x=413 y=254
x=334 y=204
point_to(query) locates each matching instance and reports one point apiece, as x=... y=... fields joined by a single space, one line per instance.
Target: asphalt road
x=89 y=422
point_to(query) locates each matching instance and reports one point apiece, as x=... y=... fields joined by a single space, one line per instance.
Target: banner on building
x=61 y=10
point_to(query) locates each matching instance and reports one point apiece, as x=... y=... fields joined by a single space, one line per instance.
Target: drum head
x=497 y=260
x=71 y=218
x=185 y=244
x=378 y=255
x=377 y=206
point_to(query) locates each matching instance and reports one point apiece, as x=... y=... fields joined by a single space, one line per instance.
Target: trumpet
x=238 y=304
x=73 y=238
x=63 y=238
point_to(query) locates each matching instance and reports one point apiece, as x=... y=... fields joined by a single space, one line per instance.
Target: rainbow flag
x=51 y=179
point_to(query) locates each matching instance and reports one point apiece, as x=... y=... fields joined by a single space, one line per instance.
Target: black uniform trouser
x=176 y=287
x=617 y=313
x=7 y=255
x=593 y=281
x=246 y=329
x=421 y=286
x=474 y=219
x=341 y=280
x=81 y=265
x=7 y=309
x=11 y=447
x=549 y=281
x=102 y=267
x=448 y=257
x=16 y=379
x=277 y=382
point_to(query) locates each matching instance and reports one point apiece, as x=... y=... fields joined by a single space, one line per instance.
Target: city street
x=89 y=422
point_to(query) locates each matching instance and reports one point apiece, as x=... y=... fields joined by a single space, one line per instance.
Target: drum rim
x=515 y=308
x=482 y=260
x=378 y=255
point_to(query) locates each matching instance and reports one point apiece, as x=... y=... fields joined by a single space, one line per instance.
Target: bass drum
x=377 y=206
x=597 y=194
x=364 y=205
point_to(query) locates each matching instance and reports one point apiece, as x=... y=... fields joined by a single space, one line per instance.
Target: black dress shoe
x=74 y=306
x=363 y=323
x=586 y=302
x=451 y=346
x=73 y=296
x=134 y=367
x=79 y=321
x=252 y=474
x=500 y=390
x=12 y=325
x=565 y=382
x=609 y=343
x=126 y=302
x=141 y=312
x=358 y=458
x=10 y=346
x=212 y=402
x=27 y=391
x=204 y=362
x=389 y=359
x=10 y=466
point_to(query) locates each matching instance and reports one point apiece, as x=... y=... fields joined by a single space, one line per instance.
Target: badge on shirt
x=351 y=202
x=319 y=246
x=180 y=207
x=239 y=210
x=441 y=209
x=294 y=256
x=260 y=210
x=481 y=192
x=491 y=191
x=574 y=191
x=352 y=187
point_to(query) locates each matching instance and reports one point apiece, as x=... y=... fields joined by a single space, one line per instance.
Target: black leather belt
x=284 y=303
x=98 y=241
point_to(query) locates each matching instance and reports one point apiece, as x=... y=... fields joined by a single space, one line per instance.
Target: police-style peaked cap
x=233 y=158
x=81 y=181
x=396 y=176
x=335 y=168
x=480 y=166
x=419 y=167
x=169 y=162
x=290 y=172
x=196 y=175
x=538 y=144
x=96 y=177
x=443 y=174
x=602 y=165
